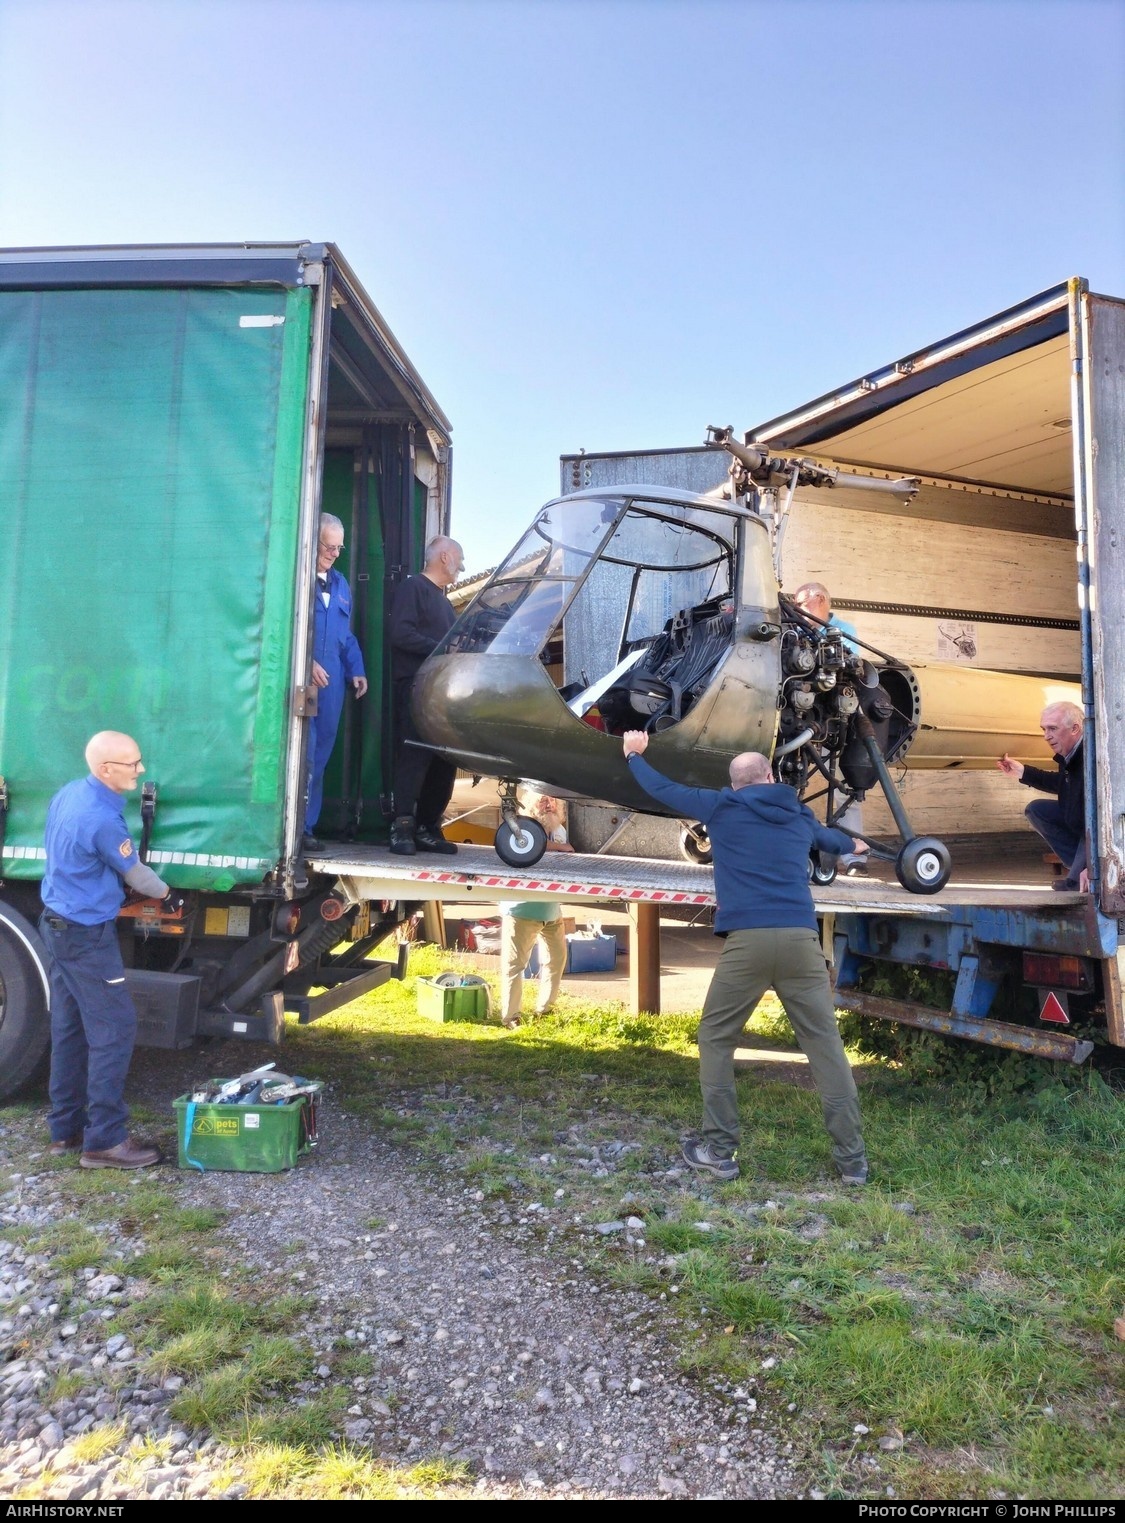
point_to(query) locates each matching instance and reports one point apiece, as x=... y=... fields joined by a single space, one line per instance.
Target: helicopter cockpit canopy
x=603 y=590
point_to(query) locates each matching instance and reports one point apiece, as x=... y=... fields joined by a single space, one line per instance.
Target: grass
x=962 y=1304
x=96 y=1443
x=964 y=1301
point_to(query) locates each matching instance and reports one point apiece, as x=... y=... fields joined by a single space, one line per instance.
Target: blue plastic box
x=584 y=954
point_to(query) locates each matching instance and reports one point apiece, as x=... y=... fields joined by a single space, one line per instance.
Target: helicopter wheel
x=521 y=842
x=923 y=865
x=822 y=869
x=695 y=845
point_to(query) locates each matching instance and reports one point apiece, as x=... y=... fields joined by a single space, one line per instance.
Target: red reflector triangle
x=1053 y=1011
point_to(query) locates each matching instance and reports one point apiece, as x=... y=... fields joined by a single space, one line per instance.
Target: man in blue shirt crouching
x=761 y=835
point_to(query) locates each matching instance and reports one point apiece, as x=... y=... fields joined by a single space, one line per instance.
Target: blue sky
x=596 y=224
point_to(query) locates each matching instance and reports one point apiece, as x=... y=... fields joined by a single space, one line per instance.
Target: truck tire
x=25 y=1024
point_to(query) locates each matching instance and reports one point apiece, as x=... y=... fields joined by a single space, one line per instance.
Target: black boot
x=402 y=836
x=430 y=838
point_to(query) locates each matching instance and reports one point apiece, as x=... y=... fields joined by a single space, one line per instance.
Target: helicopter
x=636 y=607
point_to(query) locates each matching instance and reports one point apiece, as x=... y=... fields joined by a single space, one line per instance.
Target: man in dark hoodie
x=761 y=836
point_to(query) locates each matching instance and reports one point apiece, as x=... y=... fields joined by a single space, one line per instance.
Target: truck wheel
x=521 y=843
x=25 y=1026
x=822 y=868
x=923 y=865
x=695 y=845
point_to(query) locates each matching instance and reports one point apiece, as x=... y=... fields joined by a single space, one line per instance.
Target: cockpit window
x=627 y=603
x=660 y=560
x=524 y=601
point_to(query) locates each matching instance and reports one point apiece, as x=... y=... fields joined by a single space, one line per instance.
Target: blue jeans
x=93 y=1027
x=1046 y=818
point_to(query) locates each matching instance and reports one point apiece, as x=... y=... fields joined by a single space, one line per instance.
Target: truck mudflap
x=1055 y=1045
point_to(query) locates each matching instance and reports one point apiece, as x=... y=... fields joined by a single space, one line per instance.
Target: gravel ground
x=496 y=1347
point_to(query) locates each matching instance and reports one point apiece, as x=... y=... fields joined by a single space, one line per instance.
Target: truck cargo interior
x=977 y=574
x=384 y=479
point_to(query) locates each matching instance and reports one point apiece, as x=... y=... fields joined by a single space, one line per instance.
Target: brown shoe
x=126 y=1155
x=67 y=1145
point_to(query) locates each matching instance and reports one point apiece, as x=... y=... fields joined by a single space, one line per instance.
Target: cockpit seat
x=673 y=671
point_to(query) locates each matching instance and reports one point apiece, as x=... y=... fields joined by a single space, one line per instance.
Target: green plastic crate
x=464 y=1001
x=250 y=1139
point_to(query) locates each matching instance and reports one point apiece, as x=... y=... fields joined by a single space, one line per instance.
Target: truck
x=1008 y=560
x=182 y=415
x=174 y=420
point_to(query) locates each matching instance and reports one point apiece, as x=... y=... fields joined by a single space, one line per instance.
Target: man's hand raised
x=1010 y=767
x=634 y=742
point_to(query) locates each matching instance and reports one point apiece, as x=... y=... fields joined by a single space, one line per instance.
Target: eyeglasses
x=331 y=549
x=135 y=765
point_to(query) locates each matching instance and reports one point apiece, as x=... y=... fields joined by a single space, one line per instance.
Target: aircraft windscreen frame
x=675 y=561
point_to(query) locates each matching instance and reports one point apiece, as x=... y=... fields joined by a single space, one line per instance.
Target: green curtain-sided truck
x=172 y=422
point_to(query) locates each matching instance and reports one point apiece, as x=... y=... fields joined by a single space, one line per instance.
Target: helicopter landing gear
x=520 y=841
x=822 y=868
x=923 y=865
x=695 y=844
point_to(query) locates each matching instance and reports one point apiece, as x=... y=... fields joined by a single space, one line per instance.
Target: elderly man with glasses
x=90 y=855
x=337 y=661
x=1061 y=821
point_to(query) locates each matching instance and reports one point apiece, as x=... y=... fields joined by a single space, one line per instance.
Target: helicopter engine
x=827 y=696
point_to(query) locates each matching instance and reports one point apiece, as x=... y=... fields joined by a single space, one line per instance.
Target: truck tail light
x=1057 y=972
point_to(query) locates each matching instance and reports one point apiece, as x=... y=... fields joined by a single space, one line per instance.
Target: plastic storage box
x=454 y=997
x=585 y=953
x=250 y=1139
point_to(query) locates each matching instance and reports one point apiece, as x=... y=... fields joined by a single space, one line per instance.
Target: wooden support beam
x=1113 y=981
x=433 y=922
x=644 y=958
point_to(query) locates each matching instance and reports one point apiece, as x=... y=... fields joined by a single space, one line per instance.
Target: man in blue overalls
x=93 y=1019
x=337 y=660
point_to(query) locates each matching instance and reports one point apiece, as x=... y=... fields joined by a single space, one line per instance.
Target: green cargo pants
x=791 y=962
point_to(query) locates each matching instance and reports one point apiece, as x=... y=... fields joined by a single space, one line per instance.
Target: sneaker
x=311 y=843
x=430 y=838
x=402 y=836
x=702 y=1157
x=855 y=1178
x=512 y=1023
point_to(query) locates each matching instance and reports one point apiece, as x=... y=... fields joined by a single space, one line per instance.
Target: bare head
x=1061 y=724
x=115 y=760
x=749 y=769
x=330 y=543
x=445 y=560
x=812 y=597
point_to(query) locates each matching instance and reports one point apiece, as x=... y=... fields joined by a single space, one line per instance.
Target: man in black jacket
x=1062 y=821
x=421 y=619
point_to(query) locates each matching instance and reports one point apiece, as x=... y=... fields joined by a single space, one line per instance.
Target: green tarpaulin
x=150 y=460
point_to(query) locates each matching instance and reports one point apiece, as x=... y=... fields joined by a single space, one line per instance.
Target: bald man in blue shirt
x=91 y=860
